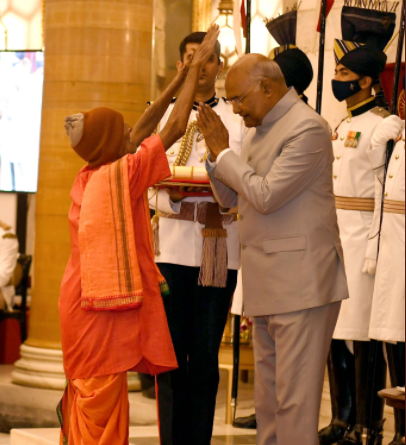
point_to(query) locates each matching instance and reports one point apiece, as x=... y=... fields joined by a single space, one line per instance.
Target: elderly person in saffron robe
x=111 y=311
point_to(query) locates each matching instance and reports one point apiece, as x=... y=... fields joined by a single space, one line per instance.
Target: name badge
x=352 y=139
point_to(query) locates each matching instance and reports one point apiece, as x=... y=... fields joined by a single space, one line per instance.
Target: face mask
x=344 y=90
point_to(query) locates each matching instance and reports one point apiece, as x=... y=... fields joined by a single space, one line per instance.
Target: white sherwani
x=388 y=307
x=181 y=242
x=353 y=177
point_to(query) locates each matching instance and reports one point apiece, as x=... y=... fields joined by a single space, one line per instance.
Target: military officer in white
x=388 y=306
x=199 y=303
x=8 y=261
x=360 y=59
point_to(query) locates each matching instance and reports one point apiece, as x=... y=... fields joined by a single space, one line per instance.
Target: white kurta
x=8 y=261
x=181 y=242
x=354 y=177
x=388 y=307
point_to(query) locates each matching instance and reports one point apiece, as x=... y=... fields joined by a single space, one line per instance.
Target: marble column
x=97 y=53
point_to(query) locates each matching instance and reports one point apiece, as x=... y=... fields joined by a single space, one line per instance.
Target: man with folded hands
x=292 y=260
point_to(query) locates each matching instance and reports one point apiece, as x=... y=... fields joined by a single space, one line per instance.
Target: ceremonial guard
x=298 y=73
x=8 y=261
x=293 y=62
x=198 y=252
x=388 y=306
x=360 y=59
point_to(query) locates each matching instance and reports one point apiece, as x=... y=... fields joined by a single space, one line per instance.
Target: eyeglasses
x=239 y=100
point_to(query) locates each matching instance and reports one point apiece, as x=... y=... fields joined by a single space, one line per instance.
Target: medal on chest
x=352 y=139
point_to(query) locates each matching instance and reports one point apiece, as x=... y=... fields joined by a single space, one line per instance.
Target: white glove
x=369 y=267
x=74 y=128
x=389 y=128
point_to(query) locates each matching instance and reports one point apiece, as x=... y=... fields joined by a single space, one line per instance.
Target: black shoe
x=354 y=437
x=397 y=442
x=332 y=433
x=248 y=423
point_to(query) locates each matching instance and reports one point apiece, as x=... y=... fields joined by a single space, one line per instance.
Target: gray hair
x=269 y=69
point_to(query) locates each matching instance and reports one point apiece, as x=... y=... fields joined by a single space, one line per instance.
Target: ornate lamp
x=227 y=38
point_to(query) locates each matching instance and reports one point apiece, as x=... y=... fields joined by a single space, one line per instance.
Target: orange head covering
x=102 y=138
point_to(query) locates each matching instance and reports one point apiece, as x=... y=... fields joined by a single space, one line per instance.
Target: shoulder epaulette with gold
x=380 y=112
x=4 y=226
x=9 y=236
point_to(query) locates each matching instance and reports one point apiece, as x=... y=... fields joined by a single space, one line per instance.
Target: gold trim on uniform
x=391 y=206
x=362 y=204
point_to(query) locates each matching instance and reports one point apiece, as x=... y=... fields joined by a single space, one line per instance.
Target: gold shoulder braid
x=9 y=236
x=380 y=112
x=185 y=151
x=186 y=145
x=4 y=226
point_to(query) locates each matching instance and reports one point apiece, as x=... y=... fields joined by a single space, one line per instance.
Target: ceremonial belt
x=188 y=213
x=390 y=206
x=362 y=204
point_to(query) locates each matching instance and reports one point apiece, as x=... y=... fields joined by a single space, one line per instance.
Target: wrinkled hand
x=202 y=55
x=369 y=267
x=215 y=133
x=174 y=194
x=389 y=128
x=184 y=68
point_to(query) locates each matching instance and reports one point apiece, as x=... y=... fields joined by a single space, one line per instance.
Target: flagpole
x=321 y=55
x=248 y=45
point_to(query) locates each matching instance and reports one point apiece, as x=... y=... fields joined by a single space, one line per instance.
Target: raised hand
x=215 y=133
x=184 y=68
x=202 y=55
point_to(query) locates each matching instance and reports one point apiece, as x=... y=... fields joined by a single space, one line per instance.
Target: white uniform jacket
x=388 y=307
x=354 y=177
x=8 y=261
x=181 y=242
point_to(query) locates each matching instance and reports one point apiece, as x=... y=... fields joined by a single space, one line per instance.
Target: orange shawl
x=111 y=278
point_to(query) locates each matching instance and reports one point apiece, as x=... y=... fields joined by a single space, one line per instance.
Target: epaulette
x=9 y=236
x=4 y=226
x=380 y=112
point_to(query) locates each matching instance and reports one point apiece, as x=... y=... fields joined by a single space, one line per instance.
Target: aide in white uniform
x=359 y=63
x=197 y=308
x=8 y=262
x=354 y=177
x=181 y=242
x=388 y=308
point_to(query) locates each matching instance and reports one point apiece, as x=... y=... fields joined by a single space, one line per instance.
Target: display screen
x=21 y=81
